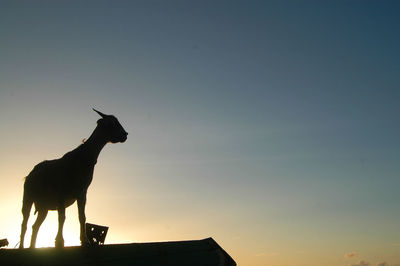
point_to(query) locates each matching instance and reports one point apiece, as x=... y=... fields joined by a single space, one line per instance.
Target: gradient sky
x=271 y=126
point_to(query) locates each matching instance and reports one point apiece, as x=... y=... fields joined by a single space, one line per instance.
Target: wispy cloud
x=361 y=263
x=351 y=255
x=267 y=254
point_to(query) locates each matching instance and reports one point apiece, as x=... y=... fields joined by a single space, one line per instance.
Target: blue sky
x=271 y=126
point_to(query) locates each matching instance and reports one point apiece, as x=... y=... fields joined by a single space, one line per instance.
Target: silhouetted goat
x=56 y=184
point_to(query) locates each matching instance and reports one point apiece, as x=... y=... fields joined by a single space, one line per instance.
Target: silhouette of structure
x=3 y=242
x=56 y=184
x=96 y=234
x=178 y=253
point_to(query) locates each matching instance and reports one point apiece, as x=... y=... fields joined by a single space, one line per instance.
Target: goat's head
x=113 y=130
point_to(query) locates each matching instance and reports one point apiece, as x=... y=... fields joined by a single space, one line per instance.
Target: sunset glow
x=270 y=126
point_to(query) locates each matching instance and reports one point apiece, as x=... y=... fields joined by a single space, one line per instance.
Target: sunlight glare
x=48 y=231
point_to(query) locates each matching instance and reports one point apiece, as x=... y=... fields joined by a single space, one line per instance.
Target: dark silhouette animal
x=56 y=184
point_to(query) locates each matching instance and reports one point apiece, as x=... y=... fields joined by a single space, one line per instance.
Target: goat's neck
x=94 y=145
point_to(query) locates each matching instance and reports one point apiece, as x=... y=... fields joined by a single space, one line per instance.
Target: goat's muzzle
x=122 y=138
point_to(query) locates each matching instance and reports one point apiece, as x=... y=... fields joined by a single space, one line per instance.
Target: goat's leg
x=82 y=219
x=26 y=210
x=35 y=227
x=61 y=220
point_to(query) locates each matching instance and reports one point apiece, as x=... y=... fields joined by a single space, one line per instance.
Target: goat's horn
x=100 y=113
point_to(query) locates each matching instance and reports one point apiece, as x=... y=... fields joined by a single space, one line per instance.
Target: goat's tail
x=27 y=203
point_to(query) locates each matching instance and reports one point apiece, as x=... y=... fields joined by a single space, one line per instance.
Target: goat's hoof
x=85 y=242
x=59 y=243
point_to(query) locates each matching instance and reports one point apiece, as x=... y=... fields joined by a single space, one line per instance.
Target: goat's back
x=56 y=181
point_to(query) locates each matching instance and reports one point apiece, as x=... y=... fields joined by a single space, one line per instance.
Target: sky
x=271 y=126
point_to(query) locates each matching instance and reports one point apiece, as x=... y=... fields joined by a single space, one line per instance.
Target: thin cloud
x=361 y=263
x=267 y=254
x=351 y=255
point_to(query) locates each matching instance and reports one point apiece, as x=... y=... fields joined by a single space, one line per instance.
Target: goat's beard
x=120 y=139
